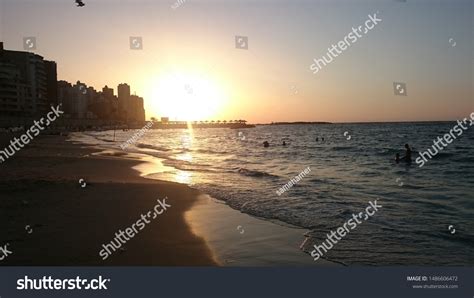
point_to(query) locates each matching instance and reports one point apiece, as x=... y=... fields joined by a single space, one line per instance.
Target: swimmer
x=407 y=156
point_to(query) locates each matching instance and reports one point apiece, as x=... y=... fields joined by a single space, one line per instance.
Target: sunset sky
x=192 y=48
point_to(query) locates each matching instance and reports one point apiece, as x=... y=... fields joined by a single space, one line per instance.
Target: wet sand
x=47 y=218
x=239 y=239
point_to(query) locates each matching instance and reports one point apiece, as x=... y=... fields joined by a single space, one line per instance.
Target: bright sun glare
x=186 y=97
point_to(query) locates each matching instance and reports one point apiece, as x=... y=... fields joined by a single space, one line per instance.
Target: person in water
x=407 y=157
x=266 y=144
x=284 y=143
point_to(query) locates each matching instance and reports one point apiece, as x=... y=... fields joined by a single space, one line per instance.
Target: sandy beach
x=47 y=218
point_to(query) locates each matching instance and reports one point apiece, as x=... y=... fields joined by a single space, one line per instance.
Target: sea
x=427 y=214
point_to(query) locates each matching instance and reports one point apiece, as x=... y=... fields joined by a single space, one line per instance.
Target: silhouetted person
x=322 y=139
x=317 y=139
x=397 y=158
x=407 y=157
x=266 y=144
x=284 y=143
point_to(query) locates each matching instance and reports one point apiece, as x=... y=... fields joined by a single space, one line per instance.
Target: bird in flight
x=79 y=3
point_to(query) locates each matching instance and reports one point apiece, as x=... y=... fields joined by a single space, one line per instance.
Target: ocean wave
x=342 y=148
x=153 y=147
x=184 y=165
x=204 y=151
x=443 y=155
x=389 y=151
x=253 y=173
x=345 y=174
x=157 y=154
x=99 y=137
x=234 y=160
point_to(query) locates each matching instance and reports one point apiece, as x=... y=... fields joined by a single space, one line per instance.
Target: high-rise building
x=130 y=106
x=123 y=91
x=108 y=92
x=24 y=89
x=139 y=110
x=74 y=99
x=106 y=105
x=12 y=90
x=64 y=95
x=51 y=82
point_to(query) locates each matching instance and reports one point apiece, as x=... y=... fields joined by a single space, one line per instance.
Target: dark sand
x=39 y=187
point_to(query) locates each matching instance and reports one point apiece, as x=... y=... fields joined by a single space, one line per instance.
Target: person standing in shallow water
x=407 y=157
x=408 y=153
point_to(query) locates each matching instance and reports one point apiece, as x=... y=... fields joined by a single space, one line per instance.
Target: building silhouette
x=74 y=99
x=83 y=102
x=130 y=106
x=27 y=83
x=123 y=91
x=29 y=86
x=51 y=83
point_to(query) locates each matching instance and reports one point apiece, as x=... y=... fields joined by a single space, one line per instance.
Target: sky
x=190 y=69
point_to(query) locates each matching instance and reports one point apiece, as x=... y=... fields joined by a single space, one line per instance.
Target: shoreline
x=239 y=239
x=201 y=231
x=51 y=220
x=222 y=227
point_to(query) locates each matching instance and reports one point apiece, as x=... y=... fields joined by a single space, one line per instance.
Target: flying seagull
x=79 y=3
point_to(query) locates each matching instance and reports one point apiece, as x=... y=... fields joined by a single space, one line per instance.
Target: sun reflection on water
x=187 y=144
x=183 y=177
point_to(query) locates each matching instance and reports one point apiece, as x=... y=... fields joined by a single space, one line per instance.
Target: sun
x=186 y=97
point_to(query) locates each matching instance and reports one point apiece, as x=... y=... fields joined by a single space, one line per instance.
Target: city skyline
x=183 y=70
x=29 y=84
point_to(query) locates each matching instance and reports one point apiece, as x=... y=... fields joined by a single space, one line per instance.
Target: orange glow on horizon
x=186 y=97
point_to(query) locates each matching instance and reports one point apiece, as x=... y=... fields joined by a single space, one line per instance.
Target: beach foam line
x=239 y=239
